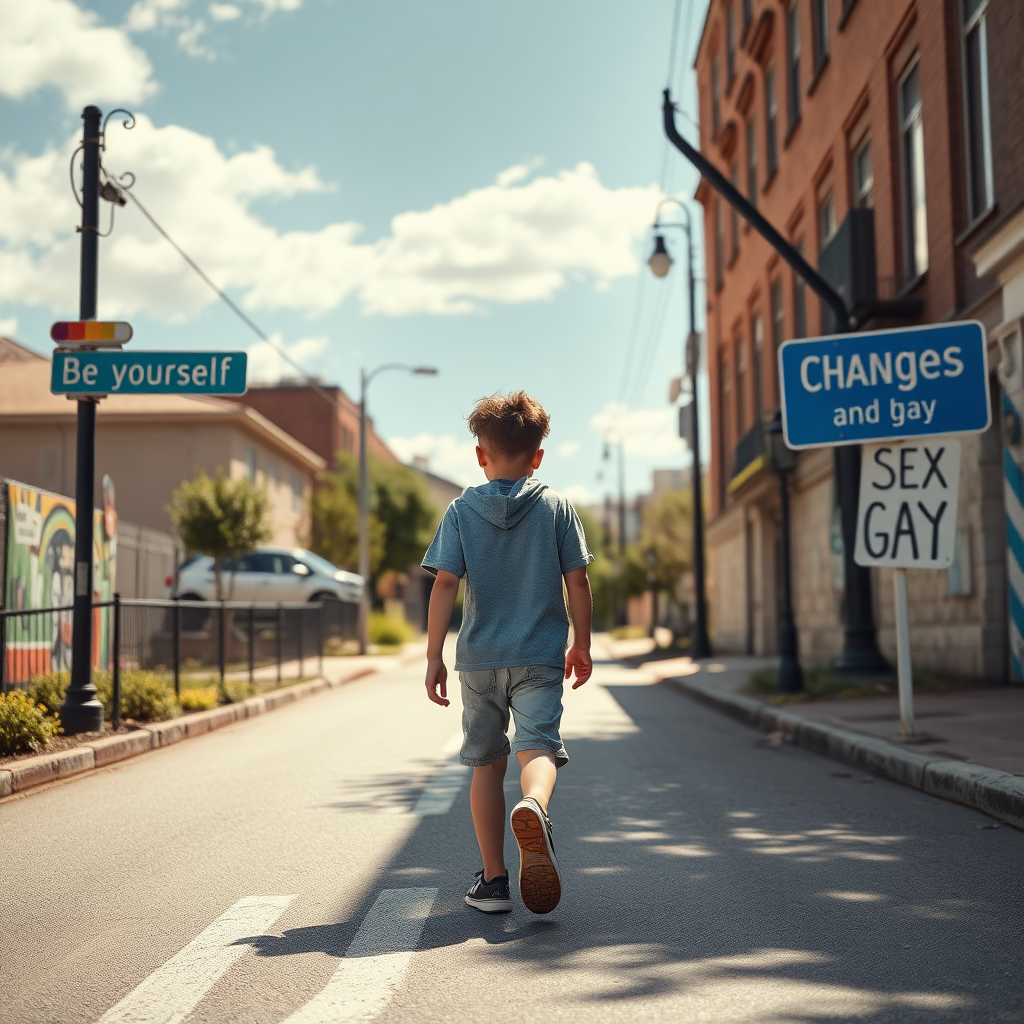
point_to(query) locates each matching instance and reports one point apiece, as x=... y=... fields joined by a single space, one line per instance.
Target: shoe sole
x=539 y=882
x=489 y=906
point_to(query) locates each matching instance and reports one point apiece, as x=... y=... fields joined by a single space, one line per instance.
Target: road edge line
x=989 y=790
x=23 y=776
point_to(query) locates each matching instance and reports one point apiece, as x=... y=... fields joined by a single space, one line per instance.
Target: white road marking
x=442 y=789
x=375 y=962
x=174 y=990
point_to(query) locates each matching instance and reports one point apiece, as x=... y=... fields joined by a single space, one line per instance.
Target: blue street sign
x=885 y=385
x=148 y=373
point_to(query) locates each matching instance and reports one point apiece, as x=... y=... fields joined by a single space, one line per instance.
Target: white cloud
x=581 y=497
x=651 y=433
x=224 y=12
x=567 y=449
x=55 y=43
x=265 y=365
x=173 y=16
x=8 y=326
x=446 y=456
x=497 y=244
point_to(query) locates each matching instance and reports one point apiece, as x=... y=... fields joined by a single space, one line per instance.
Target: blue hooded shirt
x=513 y=541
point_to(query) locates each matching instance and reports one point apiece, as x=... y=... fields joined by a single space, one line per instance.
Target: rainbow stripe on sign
x=91 y=330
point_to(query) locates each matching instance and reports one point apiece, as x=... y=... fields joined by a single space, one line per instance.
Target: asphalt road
x=308 y=867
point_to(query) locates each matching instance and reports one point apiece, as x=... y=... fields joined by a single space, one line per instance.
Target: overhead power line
x=261 y=334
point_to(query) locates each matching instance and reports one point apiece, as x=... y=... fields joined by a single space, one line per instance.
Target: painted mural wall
x=40 y=574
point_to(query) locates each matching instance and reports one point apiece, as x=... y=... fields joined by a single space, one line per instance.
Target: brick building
x=326 y=426
x=815 y=108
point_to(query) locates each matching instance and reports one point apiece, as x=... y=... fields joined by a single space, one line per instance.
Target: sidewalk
x=28 y=773
x=974 y=739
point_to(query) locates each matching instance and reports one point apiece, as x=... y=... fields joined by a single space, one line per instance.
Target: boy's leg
x=537 y=775
x=487 y=802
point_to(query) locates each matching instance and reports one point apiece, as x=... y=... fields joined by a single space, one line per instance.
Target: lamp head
x=425 y=371
x=660 y=261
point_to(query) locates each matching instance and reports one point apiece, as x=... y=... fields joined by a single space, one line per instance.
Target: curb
x=37 y=771
x=993 y=792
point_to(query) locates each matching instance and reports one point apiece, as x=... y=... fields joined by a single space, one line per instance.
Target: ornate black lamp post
x=660 y=264
x=783 y=461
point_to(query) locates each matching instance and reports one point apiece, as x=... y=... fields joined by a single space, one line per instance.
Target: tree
x=220 y=518
x=668 y=530
x=334 y=532
x=401 y=515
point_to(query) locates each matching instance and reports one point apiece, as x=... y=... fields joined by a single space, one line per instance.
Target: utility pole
x=364 y=524
x=660 y=264
x=860 y=654
x=81 y=711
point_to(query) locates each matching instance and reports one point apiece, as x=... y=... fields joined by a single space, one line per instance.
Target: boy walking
x=515 y=541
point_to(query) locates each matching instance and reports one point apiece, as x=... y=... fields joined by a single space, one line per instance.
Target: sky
x=464 y=184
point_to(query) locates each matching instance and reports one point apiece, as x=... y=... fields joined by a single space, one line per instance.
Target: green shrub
x=48 y=690
x=629 y=632
x=145 y=696
x=24 y=725
x=389 y=630
x=232 y=691
x=198 y=698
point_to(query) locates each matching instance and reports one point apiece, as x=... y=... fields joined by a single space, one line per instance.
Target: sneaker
x=539 y=883
x=491 y=897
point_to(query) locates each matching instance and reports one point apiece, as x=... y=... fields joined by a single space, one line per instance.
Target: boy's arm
x=581 y=605
x=439 y=618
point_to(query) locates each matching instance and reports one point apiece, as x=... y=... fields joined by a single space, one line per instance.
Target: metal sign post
x=907 y=520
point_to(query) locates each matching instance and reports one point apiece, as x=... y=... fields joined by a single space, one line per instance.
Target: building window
x=819 y=14
x=863 y=177
x=730 y=42
x=757 y=336
x=915 y=220
x=271 y=477
x=771 y=136
x=48 y=464
x=799 y=301
x=250 y=464
x=734 y=217
x=752 y=160
x=826 y=220
x=793 y=63
x=748 y=14
x=741 y=386
x=719 y=245
x=978 y=131
x=716 y=110
x=296 y=493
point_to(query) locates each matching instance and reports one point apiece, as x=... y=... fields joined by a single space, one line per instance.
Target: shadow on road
x=716 y=878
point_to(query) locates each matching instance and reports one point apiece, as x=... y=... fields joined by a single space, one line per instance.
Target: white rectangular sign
x=908 y=499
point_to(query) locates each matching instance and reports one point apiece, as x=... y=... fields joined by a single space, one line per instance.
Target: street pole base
x=861 y=657
x=791 y=676
x=700 y=646
x=85 y=717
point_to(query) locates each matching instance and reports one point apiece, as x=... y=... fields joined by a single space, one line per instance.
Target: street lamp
x=782 y=459
x=620 y=562
x=364 y=492
x=660 y=264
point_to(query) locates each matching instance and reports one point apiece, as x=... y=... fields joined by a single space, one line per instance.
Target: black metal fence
x=186 y=640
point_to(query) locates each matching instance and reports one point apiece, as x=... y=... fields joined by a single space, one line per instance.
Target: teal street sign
x=148 y=373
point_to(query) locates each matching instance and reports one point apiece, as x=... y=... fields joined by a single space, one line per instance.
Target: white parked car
x=268 y=574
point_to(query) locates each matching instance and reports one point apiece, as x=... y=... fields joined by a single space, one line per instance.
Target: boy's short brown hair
x=510 y=425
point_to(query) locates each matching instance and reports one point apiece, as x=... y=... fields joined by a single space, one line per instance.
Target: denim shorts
x=533 y=695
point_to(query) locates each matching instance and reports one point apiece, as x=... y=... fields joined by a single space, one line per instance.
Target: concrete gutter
x=20 y=776
x=989 y=790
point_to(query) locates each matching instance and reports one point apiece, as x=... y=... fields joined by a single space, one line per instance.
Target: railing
x=182 y=639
